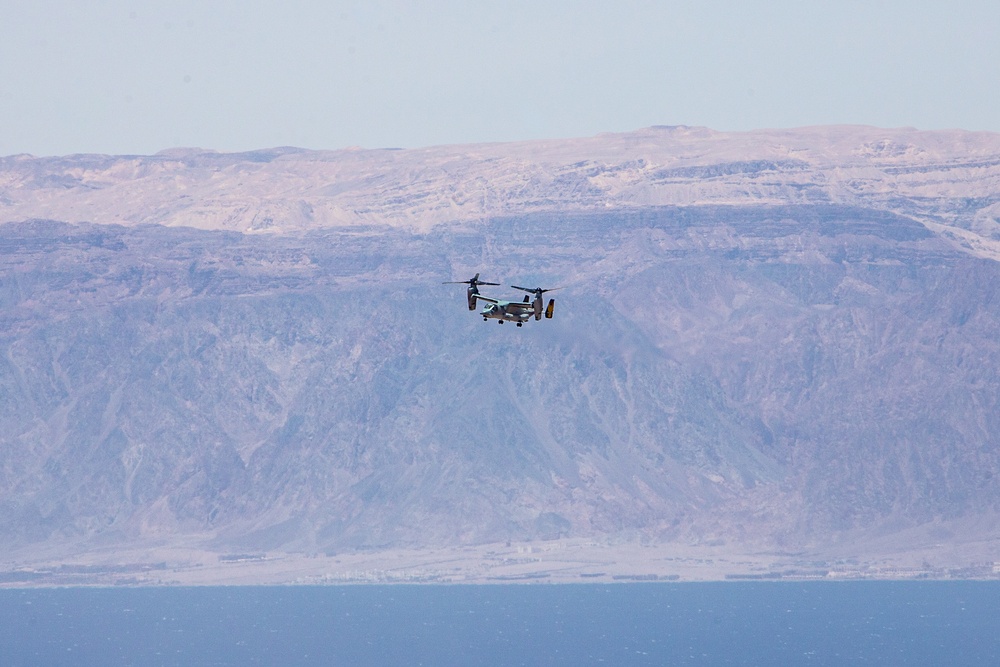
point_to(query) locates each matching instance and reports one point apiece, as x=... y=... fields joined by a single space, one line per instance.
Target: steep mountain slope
x=768 y=374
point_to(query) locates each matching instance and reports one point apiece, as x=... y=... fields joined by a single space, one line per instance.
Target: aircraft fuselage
x=502 y=312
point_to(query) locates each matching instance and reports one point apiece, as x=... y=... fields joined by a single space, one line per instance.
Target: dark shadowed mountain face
x=754 y=374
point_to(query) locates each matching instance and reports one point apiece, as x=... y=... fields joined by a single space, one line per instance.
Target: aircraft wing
x=484 y=298
x=509 y=306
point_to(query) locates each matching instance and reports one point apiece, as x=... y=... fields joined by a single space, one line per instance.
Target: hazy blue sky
x=138 y=77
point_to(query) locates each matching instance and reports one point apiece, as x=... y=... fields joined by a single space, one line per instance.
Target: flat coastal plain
x=558 y=561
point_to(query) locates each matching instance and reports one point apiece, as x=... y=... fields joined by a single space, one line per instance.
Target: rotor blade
x=470 y=281
x=537 y=290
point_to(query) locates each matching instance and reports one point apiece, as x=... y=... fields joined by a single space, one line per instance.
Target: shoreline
x=554 y=562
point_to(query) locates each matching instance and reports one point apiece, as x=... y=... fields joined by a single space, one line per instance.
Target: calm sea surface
x=730 y=623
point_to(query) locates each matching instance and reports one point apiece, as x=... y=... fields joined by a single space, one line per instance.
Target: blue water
x=730 y=623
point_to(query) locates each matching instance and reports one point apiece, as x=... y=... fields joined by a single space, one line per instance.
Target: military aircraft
x=517 y=311
x=474 y=282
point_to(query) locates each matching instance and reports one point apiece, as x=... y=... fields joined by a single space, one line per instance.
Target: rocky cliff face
x=769 y=339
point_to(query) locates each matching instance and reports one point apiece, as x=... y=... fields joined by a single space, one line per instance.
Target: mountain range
x=773 y=341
